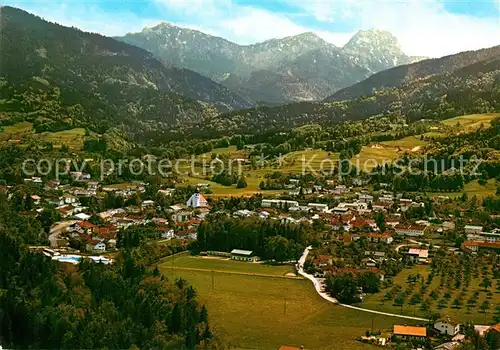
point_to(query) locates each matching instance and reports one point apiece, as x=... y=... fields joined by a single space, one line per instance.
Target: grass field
x=230 y=152
x=409 y=143
x=248 y=312
x=292 y=163
x=472 y=188
x=220 y=264
x=373 y=155
x=474 y=314
x=73 y=138
x=468 y=123
x=19 y=128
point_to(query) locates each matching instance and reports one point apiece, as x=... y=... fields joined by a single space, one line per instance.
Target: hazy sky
x=423 y=27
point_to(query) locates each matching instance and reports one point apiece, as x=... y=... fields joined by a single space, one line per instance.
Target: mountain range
x=59 y=78
x=296 y=68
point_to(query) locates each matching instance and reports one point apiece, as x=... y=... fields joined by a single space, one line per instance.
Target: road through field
x=318 y=286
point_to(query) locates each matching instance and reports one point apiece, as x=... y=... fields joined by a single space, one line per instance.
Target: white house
x=470 y=229
x=82 y=217
x=410 y=230
x=147 y=203
x=170 y=234
x=243 y=213
x=96 y=247
x=365 y=198
x=264 y=215
x=182 y=216
x=197 y=200
x=69 y=198
x=268 y=203
x=381 y=237
x=447 y=327
x=318 y=206
x=287 y=220
x=167 y=192
x=340 y=210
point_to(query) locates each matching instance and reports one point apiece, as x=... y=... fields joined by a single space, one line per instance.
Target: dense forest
x=267 y=239
x=124 y=305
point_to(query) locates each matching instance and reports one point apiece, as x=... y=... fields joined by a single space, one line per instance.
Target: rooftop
x=241 y=252
x=410 y=330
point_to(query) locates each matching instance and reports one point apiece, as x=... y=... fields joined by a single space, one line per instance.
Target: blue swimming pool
x=73 y=259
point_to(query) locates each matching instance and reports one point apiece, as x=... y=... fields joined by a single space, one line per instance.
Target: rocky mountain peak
x=374 y=40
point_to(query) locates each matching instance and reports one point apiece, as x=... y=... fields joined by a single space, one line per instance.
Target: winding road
x=318 y=286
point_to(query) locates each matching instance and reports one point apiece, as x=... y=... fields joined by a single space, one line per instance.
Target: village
x=360 y=232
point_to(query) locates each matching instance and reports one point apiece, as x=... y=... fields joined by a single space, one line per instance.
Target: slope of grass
x=73 y=138
x=251 y=312
x=469 y=123
x=472 y=188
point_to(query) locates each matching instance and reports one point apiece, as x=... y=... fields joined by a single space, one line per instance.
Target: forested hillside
x=59 y=77
x=91 y=306
x=474 y=88
x=397 y=76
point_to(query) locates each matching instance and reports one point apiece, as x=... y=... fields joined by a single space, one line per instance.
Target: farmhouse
x=410 y=230
x=447 y=327
x=410 y=331
x=419 y=255
x=381 y=237
x=243 y=255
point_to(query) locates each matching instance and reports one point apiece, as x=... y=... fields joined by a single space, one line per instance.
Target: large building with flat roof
x=243 y=255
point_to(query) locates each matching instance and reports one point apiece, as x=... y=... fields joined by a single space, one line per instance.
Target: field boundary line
x=234 y=272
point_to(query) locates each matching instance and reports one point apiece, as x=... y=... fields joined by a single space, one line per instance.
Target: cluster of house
x=442 y=327
x=182 y=225
x=477 y=239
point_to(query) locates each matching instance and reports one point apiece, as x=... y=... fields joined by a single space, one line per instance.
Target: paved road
x=412 y=243
x=324 y=295
x=56 y=230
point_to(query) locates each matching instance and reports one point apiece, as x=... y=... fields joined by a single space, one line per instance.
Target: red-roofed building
x=481 y=245
x=385 y=237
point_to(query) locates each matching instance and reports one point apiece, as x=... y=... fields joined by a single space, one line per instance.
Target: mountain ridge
x=219 y=58
x=397 y=76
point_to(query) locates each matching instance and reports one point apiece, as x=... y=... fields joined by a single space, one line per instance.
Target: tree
x=277 y=248
x=344 y=288
x=380 y=220
x=370 y=282
x=242 y=183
